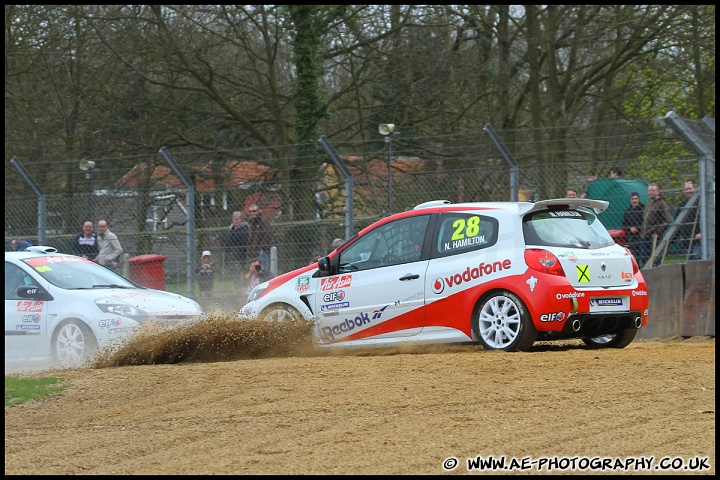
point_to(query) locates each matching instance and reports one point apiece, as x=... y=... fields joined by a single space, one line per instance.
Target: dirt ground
x=260 y=402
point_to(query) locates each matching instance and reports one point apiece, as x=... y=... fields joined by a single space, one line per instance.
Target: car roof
x=521 y=208
x=435 y=206
x=35 y=251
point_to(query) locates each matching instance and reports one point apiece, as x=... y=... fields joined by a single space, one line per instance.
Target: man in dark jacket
x=85 y=243
x=656 y=218
x=261 y=234
x=632 y=224
x=236 y=251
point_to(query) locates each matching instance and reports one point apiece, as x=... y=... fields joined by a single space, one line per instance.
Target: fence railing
x=147 y=204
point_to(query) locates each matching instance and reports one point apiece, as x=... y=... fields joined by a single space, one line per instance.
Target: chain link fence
x=303 y=193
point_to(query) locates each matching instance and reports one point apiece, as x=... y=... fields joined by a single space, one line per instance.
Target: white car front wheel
x=281 y=313
x=72 y=343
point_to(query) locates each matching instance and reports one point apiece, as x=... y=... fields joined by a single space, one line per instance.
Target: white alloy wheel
x=72 y=343
x=281 y=313
x=503 y=323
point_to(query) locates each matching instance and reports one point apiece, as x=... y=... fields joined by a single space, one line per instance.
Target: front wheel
x=611 y=340
x=72 y=343
x=502 y=323
x=281 y=313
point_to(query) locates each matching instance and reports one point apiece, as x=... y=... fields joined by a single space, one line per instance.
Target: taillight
x=543 y=261
x=636 y=268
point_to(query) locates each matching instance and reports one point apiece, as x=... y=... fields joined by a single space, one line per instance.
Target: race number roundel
x=438 y=285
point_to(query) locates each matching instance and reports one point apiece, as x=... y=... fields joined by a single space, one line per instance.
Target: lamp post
x=88 y=166
x=388 y=129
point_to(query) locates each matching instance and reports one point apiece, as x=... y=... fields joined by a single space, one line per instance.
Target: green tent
x=617 y=192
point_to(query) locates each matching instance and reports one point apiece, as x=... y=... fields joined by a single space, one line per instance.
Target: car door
x=467 y=252
x=379 y=289
x=25 y=319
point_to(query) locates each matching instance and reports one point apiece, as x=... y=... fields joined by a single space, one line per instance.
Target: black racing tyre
x=73 y=343
x=281 y=312
x=502 y=322
x=611 y=340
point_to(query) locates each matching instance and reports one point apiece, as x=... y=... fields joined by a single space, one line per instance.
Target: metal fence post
x=707 y=181
x=514 y=169
x=349 y=188
x=274 y=259
x=42 y=205
x=190 y=227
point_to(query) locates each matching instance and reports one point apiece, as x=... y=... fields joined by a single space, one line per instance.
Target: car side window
x=15 y=277
x=394 y=243
x=464 y=232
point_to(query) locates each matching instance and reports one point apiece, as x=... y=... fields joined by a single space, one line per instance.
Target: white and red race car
x=503 y=274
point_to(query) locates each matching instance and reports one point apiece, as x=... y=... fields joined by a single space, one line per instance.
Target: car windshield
x=565 y=228
x=75 y=273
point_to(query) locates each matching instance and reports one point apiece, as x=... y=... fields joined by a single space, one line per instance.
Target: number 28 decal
x=464 y=229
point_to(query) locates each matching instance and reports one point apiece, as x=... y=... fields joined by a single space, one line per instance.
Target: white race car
x=61 y=308
x=502 y=274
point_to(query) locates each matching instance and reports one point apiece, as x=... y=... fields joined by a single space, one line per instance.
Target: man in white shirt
x=109 y=246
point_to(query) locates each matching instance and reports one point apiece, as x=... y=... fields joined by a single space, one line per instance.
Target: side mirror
x=324 y=264
x=33 y=292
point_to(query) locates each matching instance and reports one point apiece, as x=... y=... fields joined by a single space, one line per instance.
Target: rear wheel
x=72 y=343
x=611 y=340
x=502 y=323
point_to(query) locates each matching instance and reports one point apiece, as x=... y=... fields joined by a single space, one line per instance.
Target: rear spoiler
x=598 y=206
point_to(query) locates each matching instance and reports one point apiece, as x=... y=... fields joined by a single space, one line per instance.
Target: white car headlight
x=118 y=307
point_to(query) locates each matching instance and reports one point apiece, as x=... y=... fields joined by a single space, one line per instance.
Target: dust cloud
x=215 y=338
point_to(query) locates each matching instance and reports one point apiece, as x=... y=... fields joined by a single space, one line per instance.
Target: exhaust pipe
x=576 y=325
x=638 y=322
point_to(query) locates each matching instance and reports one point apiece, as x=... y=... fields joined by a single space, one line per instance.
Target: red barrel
x=148 y=270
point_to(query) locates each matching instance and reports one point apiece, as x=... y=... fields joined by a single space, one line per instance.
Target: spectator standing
x=337 y=243
x=109 y=249
x=656 y=218
x=236 y=247
x=632 y=224
x=571 y=193
x=688 y=231
x=261 y=234
x=85 y=243
x=257 y=275
x=205 y=273
x=17 y=245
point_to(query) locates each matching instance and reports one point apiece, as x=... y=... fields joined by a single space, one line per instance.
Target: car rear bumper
x=581 y=325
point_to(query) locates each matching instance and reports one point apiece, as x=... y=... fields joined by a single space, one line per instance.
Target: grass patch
x=20 y=390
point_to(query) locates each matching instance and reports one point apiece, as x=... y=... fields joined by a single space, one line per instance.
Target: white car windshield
x=74 y=273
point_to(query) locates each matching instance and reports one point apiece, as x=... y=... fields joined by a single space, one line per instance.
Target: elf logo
x=338 y=296
x=551 y=317
x=439 y=284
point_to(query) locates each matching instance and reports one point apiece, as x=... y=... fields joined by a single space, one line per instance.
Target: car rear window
x=464 y=232
x=565 y=228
